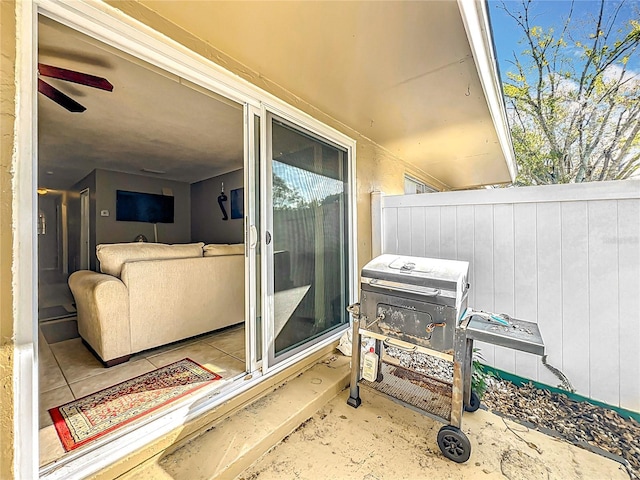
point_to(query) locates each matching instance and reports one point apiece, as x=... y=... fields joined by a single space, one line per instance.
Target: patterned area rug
x=95 y=415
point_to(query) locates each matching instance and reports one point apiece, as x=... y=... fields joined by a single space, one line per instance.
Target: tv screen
x=143 y=207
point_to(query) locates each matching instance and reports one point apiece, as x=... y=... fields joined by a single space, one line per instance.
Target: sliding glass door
x=308 y=238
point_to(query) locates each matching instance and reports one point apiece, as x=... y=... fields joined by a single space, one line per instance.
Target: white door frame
x=85 y=229
x=251 y=237
x=111 y=26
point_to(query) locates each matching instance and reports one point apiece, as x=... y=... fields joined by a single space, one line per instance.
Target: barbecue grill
x=419 y=305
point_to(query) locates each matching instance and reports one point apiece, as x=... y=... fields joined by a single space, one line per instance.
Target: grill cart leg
x=354 y=390
x=459 y=370
x=471 y=399
x=379 y=353
x=453 y=443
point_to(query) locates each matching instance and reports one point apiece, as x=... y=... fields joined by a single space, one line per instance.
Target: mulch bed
x=580 y=423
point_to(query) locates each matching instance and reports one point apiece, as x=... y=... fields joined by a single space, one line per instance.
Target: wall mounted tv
x=143 y=207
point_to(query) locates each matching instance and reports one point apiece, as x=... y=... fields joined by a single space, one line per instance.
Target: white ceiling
x=400 y=73
x=150 y=120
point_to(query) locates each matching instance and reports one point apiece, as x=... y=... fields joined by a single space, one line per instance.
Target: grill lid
x=448 y=276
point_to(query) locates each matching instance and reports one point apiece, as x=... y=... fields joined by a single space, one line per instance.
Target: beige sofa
x=151 y=294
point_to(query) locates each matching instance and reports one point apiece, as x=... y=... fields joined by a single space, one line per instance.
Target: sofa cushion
x=112 y=256
x=219 y=249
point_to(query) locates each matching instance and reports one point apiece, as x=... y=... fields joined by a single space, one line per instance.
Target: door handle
x=253 y=236
x=268 y=237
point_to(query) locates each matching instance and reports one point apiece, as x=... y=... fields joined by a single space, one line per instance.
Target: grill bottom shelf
x=420 y=391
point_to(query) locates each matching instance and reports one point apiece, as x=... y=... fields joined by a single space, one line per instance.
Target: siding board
x=629 y=298
x=603 y=301
x=418 y=232
x=432 y=240
x=550 y=285
x=503 y=278
x=525 y=280
x=404 y=231
x=464 y=244
x=448 y=245
x=484 y=275
x=390 y=230
x=575 y=289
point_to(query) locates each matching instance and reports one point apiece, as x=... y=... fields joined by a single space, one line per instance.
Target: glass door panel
x=309 y=189
x=254 y=235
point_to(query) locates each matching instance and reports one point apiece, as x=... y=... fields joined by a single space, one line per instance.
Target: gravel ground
x=432 y=366
x=580 y=423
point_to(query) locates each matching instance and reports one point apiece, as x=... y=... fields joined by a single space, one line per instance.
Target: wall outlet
x=104 y=213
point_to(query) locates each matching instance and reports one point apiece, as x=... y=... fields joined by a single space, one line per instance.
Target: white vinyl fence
x=566 y=257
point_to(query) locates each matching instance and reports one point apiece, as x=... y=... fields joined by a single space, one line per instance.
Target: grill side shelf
x=427 y=394
x=519 y=335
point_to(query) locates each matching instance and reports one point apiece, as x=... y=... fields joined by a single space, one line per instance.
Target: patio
x=309 y=432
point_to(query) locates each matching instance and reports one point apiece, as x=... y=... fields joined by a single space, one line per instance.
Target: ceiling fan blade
x=59 y=97
x=75 y=77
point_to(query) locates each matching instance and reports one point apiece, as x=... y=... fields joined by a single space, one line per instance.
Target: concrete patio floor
x=383 y=440
x=309 y=432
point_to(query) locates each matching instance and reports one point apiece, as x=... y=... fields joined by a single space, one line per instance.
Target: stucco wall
x=7 y=117
x=377 y=169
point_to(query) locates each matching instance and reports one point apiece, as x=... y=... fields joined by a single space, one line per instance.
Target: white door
x=253 y=247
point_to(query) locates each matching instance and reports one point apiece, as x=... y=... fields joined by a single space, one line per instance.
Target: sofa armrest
x=102 y=302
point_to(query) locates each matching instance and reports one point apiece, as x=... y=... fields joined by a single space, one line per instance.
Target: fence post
x=377 y=226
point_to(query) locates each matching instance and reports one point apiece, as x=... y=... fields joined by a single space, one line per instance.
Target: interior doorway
x=85 y=225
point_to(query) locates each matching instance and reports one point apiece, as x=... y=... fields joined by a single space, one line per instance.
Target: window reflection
x=310 y=237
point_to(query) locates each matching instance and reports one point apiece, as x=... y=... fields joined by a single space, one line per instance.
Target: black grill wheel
x=454 y=444
x=474 y=403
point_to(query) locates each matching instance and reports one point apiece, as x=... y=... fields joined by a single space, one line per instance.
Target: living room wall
x=109 y=230
x=102 y=185
x=207 y=224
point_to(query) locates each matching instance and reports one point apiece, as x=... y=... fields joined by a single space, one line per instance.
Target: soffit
x=400 y=73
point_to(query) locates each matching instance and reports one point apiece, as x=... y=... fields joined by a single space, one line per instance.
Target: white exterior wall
x=566 y=257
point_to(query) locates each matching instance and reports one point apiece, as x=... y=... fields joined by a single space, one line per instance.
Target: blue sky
x=549 y=13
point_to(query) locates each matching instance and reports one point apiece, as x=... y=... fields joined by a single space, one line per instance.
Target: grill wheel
x=454 y=444
x=474 y=404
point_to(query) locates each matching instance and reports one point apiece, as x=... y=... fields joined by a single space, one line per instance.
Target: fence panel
x=566 y=257
x=575 y=288
x=629 y=299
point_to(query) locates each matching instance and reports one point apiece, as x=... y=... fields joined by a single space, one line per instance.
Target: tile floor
x=69 y=371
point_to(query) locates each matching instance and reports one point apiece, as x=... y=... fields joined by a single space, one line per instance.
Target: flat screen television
x=143 y=207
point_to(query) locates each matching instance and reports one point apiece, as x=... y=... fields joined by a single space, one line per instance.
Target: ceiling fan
x=69 y=76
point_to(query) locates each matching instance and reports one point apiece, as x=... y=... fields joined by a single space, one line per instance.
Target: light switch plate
x=104 y=213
